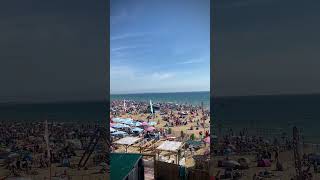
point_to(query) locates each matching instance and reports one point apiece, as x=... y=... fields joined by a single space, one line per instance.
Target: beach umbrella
x=112 y=129
x=207 y=140
x=152 y=123
x=144 y=123
x=150 y=129
x=139 y=130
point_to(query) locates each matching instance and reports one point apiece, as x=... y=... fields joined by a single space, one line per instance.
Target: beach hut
x=132 y=169
x=171 y=146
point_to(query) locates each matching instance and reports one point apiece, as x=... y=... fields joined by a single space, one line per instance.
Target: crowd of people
x=23 y=147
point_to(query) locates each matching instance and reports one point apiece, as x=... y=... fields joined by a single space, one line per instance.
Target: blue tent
x=152 y=123
x=118 y=126
x=118 y=133
x=139 y=130
x=138 y=124
x=128 y=122
x=116 y=119
x=112 y=129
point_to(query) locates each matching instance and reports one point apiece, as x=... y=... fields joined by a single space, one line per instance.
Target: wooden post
x=177 y=159
x=155 y=171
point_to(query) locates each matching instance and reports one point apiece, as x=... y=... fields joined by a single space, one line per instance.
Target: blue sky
x=159 y=46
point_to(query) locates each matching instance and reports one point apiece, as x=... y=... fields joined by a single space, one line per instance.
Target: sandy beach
x=174 y=122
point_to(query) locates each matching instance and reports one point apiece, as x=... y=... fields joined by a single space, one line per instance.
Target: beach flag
x=124 y=105
x=46 y=137
x=151 y=108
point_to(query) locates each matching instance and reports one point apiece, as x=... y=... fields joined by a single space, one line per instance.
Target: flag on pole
x=151 y=108
x=124 y=105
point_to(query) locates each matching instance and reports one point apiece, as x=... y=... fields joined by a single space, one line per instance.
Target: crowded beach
x=241 y=155
x=174 y=133
x=49 y=150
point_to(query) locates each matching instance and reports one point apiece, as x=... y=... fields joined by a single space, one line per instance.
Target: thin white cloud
x=128 y=35
x=162 y=76
x=191 y=61
x=117 y=49
x=123 y=48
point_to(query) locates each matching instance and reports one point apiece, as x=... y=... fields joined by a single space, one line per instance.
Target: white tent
x=172 y=146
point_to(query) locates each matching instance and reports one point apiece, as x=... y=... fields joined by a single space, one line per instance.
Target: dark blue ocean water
x=252 y=112
x=194 y=98
x=271 y=112
x=63 y=112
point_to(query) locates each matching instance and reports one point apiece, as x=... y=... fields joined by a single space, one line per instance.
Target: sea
x=270 y=115
x=190 y=98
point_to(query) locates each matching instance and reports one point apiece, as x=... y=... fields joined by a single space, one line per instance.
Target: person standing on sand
x=276 y=155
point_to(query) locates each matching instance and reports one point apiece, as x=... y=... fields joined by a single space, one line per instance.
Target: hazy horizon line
x=129 y=93
x=108 y=98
